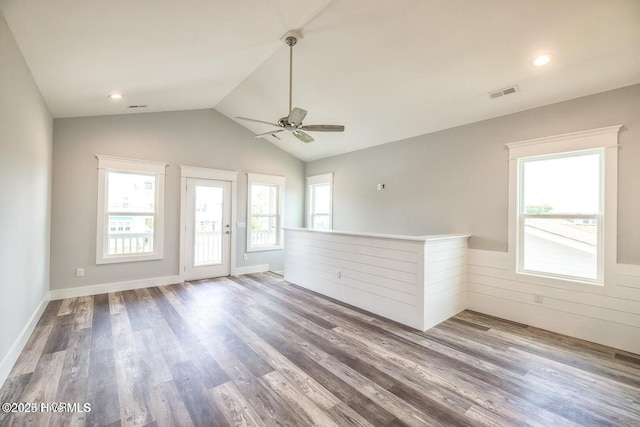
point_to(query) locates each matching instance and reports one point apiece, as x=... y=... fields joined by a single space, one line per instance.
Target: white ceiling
x=387 y=70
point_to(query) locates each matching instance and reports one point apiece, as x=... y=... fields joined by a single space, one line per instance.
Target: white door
x=208 y=229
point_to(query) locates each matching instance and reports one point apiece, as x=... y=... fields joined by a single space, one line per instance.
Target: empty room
x=323 y=212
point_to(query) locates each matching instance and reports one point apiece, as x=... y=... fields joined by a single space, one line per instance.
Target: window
x=561 y=215
x=563 y=192
x=265 y=212
x=319 y=202
x=130 y=210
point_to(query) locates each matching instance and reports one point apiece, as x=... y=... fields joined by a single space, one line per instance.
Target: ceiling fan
x=293 y=122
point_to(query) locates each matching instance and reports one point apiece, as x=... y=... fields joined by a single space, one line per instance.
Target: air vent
x=506 y=91
x=137 y=106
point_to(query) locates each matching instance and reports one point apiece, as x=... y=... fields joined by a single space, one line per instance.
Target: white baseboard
x=84 y=291
x=12 y=356
x=238 y=271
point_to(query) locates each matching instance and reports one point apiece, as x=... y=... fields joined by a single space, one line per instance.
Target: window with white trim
x=130 y=210
x=265 y=208
x=319 y=202
x=561 y=215
x=563 y=200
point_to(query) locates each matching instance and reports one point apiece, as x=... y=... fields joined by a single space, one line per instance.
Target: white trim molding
x=251 y=269
x=131 y=165
x=605 y=138
x=105 y=288
x=206 y=173
x=11 y=357
x=319 y=179
x=566 y=142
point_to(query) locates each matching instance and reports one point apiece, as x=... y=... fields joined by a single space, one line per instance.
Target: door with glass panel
x=208 y=229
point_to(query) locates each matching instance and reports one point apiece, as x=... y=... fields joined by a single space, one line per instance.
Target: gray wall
x=457 y=180
x=202 y=138
x=25 y=189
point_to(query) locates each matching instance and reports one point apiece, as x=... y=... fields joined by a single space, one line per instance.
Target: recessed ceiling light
x=115 y=95
x=542 y=59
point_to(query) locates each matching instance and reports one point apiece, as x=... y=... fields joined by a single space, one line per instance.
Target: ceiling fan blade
x=296 y=116
x=273 y=132
x=323 y=128
x=304 y=137
x=258 y=121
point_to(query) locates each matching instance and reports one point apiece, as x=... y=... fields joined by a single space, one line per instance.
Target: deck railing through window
x=263 y=237
x=130 y=243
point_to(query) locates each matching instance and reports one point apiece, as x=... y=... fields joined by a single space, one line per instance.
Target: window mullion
x=562 y=216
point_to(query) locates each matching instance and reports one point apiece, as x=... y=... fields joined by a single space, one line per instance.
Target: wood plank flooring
x=254 y=350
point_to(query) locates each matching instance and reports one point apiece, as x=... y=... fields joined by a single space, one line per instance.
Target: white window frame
x=270 y=180
x=117 y=164
x=605 y=139
x=312 y=181
x=599 y=216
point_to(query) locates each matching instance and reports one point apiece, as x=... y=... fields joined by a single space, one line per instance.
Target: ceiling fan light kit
x=293 y=122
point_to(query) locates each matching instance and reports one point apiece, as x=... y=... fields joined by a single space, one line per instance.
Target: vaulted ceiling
x=387 y=70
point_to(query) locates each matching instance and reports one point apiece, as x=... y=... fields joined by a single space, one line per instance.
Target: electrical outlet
x=537 y=297
x=245 y=257
x=80 y=272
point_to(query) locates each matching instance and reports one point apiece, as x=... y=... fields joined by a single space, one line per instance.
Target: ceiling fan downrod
x=291 y=42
